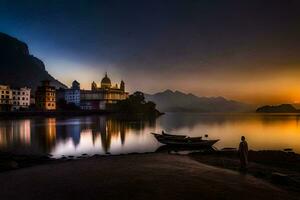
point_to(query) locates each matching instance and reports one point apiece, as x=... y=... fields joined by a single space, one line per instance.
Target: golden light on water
x=261 y=132
x=98 y=135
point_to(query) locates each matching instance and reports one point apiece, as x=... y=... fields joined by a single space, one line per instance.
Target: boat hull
x=184 y=142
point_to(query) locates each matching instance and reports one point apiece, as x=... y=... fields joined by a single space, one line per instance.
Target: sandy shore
x=140 y=176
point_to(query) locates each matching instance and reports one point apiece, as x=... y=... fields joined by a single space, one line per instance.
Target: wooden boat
x=173 y=136
x=184 y=141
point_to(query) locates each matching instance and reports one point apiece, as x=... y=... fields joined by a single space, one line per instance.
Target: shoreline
x=135 y=176
x=276 y=167
x=58 y=113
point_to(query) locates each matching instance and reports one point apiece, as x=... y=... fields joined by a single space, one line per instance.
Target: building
x=100 y=98
x=20 y=98
x=72 y=95
x=45 y=96
x=5 y=98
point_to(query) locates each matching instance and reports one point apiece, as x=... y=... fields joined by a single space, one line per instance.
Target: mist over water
x=105 y=135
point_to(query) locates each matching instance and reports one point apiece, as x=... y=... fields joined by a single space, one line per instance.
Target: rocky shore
x=278 y=167
x=10 y=161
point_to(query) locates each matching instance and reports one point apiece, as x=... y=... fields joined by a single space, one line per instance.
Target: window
x=7 y=92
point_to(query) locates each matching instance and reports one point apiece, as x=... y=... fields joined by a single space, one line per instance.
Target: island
x=283 y=108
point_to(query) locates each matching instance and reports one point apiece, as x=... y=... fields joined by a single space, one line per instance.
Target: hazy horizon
x=246 y=51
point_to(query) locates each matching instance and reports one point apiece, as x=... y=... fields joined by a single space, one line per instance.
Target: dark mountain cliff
x=19 y=68
x=169 y=101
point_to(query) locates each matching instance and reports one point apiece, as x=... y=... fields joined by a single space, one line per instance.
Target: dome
x=105 y=82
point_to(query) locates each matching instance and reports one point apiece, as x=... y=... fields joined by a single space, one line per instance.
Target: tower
x=76 y=85
x=122 y=86
x=94 y=86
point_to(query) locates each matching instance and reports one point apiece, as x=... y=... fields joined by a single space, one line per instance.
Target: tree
x=136 y=104
x=137 y=97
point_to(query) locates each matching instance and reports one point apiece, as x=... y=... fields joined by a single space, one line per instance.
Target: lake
x=105 y=135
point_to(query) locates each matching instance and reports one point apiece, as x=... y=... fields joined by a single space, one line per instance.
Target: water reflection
x=263 y=132
x=106 y=135
x=75 y=136
x=14 y=132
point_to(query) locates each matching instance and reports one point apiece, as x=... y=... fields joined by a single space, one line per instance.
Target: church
x=101 y=98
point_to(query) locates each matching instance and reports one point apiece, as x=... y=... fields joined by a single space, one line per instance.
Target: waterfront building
x=72 y=95
x=60 y=94
x=5 y=98
x=20 y=98
x=101 y=98
x=45 y=96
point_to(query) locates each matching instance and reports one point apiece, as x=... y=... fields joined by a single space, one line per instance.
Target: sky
x=243 y=50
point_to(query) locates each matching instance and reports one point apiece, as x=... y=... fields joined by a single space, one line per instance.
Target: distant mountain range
x=19 y=68
x=169 y=101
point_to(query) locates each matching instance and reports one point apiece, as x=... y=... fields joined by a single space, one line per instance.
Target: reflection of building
x=45 y=96
x=5 y=98
x=100 y=98
x=50 y=133
x=15 y=133
x=21 y=98
x=92 y=134
x=44 y=136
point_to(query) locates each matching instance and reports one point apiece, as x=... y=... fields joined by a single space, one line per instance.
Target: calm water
x=103 y=135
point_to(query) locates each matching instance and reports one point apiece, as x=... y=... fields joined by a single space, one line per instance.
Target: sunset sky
x=242 y=50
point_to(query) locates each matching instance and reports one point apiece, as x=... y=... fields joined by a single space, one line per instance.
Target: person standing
x=243 y=153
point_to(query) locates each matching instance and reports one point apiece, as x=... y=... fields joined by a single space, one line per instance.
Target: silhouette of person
x=243 y=153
